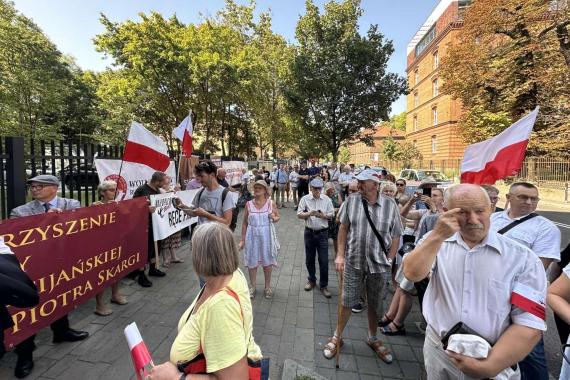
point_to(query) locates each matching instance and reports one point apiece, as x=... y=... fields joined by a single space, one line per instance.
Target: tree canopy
x=339 y=83
x=512 y=56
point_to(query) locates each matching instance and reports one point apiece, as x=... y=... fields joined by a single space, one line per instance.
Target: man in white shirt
x=539 y=235
x=293 y=179
x=344 y=180
x=281 y=180
x=334 y=174
x=316 y=210
x=480 y=278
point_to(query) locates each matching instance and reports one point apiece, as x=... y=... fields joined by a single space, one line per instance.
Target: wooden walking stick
x=339 y=316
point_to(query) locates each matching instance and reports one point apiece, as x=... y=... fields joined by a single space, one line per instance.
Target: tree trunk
x=564 y=41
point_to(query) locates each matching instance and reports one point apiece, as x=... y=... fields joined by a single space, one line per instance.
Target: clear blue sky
x=72 y=24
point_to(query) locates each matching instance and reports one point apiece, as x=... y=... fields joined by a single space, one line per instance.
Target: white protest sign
x=233 y=171
x=167 y=219
x=132 y=175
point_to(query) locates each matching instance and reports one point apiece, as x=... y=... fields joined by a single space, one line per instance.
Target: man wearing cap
x=364 y=259
x=44 y=191
x=316 y=210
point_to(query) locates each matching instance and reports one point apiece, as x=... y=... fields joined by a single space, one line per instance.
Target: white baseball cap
x=368 y=174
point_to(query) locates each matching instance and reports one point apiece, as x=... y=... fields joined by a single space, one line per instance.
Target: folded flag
x=145 y=148
x=139 y=352
x=184 y=133
x=498 y=157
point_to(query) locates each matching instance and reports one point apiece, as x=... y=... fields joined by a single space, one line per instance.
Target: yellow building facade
x=432 y=117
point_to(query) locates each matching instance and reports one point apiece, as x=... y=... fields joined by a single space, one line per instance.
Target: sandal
x=399 y=330
x=330 y=349
x=381 y=351
x=268 y=292
x=177 y=261
x=251 y=292
x=385 y=321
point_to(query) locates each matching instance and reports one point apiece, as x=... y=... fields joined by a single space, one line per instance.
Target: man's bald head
x=474 y=217
x=462 y=191
x=221 y=173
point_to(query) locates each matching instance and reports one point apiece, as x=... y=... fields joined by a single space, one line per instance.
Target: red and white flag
x=529 y=300
x=184 y=133
x=499 y=157
x=145 y=148
x=139 y=352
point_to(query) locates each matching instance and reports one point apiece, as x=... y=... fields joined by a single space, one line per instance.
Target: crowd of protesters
x=479 y=272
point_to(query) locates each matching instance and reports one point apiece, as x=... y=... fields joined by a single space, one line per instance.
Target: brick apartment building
x=361 y=154
x=432 y=117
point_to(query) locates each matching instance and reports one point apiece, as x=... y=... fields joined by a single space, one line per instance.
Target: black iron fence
x=72 y=162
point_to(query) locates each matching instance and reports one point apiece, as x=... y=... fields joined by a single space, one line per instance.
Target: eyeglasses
x=524 y=198
x=352 y=191
x=400 y=184
x=39 y=187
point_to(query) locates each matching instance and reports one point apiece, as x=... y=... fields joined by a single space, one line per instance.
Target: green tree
x=344 y=155
x=340 y=85
x=398 y=122
x=33 y=78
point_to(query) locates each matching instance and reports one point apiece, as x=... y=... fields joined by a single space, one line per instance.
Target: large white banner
x=166 y=219
x=233 y=171
x=132 y=175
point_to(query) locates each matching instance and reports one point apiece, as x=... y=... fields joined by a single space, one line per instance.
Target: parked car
x=75 y=177
x=414 y=177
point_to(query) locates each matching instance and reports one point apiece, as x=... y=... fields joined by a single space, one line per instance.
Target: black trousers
x=302 y=190
x=27 y=346
x=317 y=246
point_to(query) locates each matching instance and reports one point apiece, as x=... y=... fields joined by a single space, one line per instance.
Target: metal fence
x=544 y=172
x=73 y=163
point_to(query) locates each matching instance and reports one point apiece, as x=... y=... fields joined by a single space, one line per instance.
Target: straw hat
x=264 y=184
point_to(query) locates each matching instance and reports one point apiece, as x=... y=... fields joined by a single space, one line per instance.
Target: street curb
x=292 y=370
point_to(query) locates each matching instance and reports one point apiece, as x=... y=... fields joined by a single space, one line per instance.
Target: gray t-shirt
x=211 y=201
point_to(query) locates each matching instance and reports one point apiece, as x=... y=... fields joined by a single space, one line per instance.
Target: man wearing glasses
x=542 y=237
x=44 y=191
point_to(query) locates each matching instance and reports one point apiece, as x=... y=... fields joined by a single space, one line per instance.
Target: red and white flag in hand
x=139 y=352
x=145 y=148
x=499 y=157
x=184 y=133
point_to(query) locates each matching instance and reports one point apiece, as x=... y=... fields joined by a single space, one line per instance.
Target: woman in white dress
x=258 y=236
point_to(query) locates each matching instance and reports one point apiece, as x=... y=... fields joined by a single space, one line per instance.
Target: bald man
x=488 y=282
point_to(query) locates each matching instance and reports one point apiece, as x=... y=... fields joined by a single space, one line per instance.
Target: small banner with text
x=167 y=219
x=72 y=256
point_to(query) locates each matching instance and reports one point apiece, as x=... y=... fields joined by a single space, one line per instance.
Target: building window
x=415 y=123
x=435 y=60
x=416 y=99
x=435 y=87
x=425 y=41
x=416 y=76
x=434 y=116
x=434 y=144
x=415 y=143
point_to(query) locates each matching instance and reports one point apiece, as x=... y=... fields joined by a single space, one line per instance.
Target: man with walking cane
x=368 y=240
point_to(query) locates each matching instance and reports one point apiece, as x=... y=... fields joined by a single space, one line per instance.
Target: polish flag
x=501 y=156
x=145 y=148
x=184 y=133
x=139 y=352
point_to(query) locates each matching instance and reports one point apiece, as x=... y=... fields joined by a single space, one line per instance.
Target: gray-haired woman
x=107 y=191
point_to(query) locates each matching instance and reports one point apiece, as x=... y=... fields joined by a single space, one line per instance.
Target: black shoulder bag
x=378 y=236
x=504 y=230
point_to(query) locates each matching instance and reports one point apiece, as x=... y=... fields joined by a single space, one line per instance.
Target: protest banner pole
x=156 y=253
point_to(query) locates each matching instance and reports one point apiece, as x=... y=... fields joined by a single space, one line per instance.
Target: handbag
x=257 y=369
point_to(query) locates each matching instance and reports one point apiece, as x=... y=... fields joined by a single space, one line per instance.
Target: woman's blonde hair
x=389 y=186
x=105 y=185
x=214 y=250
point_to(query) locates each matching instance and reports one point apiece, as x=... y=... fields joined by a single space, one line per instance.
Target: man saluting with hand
x=491 y=284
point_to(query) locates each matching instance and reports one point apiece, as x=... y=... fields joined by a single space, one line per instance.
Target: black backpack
x=235 y=210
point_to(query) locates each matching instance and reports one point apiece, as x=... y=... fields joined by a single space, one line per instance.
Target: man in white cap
x=44 y=191
x=368 y=240
x=316 y=210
